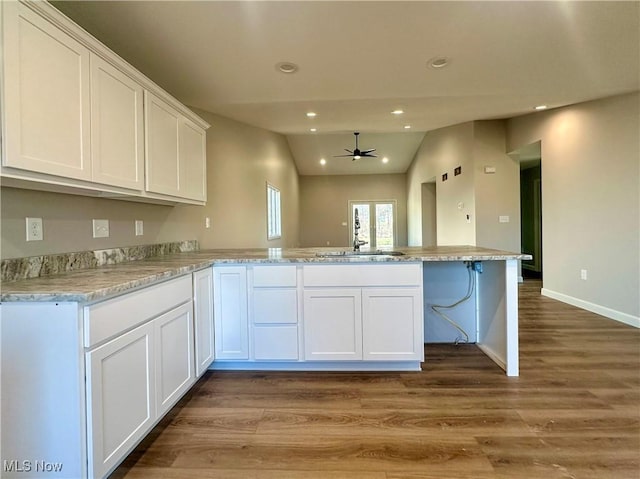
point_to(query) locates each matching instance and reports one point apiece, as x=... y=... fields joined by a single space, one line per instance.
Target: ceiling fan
x=356 y=154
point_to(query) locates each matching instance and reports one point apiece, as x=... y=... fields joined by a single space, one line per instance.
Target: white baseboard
x=594 y=308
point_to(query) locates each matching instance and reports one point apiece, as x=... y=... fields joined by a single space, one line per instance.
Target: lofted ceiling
x=359 y=60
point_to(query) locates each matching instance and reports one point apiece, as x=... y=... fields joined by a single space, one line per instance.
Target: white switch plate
x=34 y=229
x=207 y=222
x=503 y=219
x=100 y=228
x=583 y=274
x=139 y=227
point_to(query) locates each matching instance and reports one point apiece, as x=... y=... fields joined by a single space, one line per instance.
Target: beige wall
x=240 y=160
x=496 y=194
x=590 y=201
x=483 y=197
x=441 y=151
x=324 y=205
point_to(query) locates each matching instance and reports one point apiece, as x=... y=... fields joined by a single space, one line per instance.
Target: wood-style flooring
x=574 y=412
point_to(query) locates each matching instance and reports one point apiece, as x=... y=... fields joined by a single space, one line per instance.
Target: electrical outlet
x=583 y=274
x=34 y=229
x=139 y=227
x=503 y=219
x=100 y=228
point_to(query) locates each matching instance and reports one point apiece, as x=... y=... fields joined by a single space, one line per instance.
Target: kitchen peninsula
x=97 y=356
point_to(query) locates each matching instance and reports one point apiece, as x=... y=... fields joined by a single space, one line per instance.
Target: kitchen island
x=96 y=357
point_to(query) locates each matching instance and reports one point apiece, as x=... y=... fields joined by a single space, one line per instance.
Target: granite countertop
x=94 y=284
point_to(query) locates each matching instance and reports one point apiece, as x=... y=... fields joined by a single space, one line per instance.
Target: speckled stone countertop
x=90 y=285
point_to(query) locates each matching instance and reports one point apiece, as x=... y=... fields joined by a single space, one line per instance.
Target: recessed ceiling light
x=385 y=160
x=311 y=114
x=541 y=107
x=406 y=127
x=323 y=161
x=286 y=67
x=398 y=112
x=313 y=130
x=438 y=62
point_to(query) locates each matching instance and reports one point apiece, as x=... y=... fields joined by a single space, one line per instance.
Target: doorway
x=530 y=160
x=377 y=222
x=429 y=223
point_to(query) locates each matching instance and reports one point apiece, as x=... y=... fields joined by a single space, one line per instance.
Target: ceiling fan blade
x=368 y=155
x=349 y=151
x=343 y=156
x=364 y=152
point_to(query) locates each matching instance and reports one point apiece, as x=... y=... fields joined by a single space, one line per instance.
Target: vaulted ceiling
x=359 y=60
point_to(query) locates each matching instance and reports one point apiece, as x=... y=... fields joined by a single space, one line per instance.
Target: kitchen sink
x=348 y=253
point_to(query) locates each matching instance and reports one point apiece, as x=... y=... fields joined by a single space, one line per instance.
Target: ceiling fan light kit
x=356 y=153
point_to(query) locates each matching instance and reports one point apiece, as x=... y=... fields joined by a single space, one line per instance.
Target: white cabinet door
x=120 y=397
x=174 y=355
x=392 y=324
x=275 y=343
x=203 y=319
x=230 y=312
x=333 y=324
x=275 y=306
x=163 y=168
x=46 y=96
x=175 y=152
x=117 y=127
x=192 y=156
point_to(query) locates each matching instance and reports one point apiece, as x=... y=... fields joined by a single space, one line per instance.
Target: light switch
x=139 y=227
x=100 y=228
x=503 y=219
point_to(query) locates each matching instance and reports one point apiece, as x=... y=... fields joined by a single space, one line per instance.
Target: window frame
x=372 y=231
x=274 y=213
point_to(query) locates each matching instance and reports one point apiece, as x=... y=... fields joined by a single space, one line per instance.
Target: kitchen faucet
x=356 y=226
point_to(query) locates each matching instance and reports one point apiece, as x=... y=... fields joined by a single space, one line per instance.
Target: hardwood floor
x=574 y=412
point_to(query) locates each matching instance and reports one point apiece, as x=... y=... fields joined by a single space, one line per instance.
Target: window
x=274 y=220
x=377 y=222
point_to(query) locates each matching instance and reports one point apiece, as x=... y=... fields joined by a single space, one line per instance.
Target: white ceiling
x=360 y=60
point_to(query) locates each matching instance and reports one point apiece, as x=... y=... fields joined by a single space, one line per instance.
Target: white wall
x=590 y=202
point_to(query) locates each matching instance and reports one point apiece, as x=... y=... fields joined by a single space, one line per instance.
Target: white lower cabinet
x=333 y=324
x=230 y=312
x=121 y=403
x=392 y=324
x=375 y=315
x=274 y=312
x=82 y=384
x=203 y=319
x=174 y=356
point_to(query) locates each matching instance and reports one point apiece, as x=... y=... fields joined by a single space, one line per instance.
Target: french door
x=377 y=222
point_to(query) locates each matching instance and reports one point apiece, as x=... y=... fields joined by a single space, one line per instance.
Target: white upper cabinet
x=78 y=119
x=47 y=107
x=163 y=167
x=176 y=151
x=117 y=127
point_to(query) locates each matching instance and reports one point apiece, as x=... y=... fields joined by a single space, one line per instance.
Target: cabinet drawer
x=275 y=306
x=266 y=276
x=109 y=318
x=363 y=275
x=275 y=343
